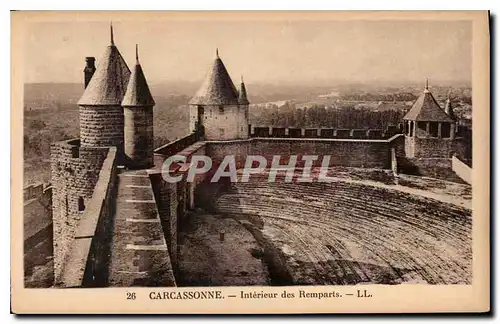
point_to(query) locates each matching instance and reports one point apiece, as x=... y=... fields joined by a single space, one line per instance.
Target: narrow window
x=221 y=110
x=221 y=131
x=81 y=204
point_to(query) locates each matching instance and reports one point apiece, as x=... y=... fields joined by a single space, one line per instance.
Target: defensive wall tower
x=76 y=164
x=101 y=113
x=217 y=110
x=430 y=131
x=138 y=120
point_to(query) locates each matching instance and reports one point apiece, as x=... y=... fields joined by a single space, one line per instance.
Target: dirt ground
x=206 y=260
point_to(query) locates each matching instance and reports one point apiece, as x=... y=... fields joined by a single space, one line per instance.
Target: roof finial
x=111 y=29
x=137 y=54
x=426 y=84
x=217 y=52
x=242 y=78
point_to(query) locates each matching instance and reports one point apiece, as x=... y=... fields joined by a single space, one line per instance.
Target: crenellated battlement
x=282 y=132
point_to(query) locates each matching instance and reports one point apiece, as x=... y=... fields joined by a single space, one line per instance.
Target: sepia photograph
x=206 y=151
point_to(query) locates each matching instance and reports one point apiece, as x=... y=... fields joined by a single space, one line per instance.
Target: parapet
x=177 y=145
x=85 y=261
x=33 y=191
x=344 y=133
x=74 y=174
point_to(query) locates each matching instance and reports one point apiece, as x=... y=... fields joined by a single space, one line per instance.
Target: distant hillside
x=50 y=95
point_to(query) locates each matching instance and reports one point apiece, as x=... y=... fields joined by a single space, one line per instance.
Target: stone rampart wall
x=86 y=263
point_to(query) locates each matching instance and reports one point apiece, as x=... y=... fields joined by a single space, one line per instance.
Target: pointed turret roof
x=448 y=107
x=108 y=84
x=137 y=93
x=243 y=100
x=426 y=108
x=218 y=88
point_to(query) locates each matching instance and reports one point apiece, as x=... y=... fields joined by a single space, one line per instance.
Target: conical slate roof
x=108 y=84
x=217 y=89
x=243 y=100
x=426 y=108
x=448 y=107
x=138 y=93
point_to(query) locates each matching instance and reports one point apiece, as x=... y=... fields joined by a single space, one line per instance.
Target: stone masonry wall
x=435 y=147
x=74 y=171
x=354 y=153
x=172 y=199
x=222 y=123
x=243 y=122
x=33 y=191
x=281 y=132
x=86 y=263
x=101 y=126
x=166 y=202
x=138 y=137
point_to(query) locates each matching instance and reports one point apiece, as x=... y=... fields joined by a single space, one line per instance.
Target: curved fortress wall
x=101 y=126
x=75 y=171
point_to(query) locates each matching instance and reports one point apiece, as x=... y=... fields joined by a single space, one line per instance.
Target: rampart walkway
x=139 y=254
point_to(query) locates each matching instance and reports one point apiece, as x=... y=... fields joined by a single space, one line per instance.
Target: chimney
x=89 y=69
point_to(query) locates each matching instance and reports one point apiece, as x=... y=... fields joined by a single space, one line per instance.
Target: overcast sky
x=294 y=51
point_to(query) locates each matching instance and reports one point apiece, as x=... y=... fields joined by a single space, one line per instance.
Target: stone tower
x=101 y=113
x=244 y=104
x=138 y=120
x=429 y=130
x=76 y=163
x=216 y=111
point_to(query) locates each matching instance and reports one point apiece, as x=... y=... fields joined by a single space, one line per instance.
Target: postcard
x=175 y=162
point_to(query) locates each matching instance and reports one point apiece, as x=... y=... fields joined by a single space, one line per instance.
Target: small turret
x=243 y=100
x=218 y=110
x=138 y=119
x=429 y=130
x=448 y=108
